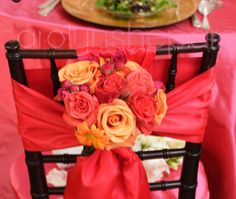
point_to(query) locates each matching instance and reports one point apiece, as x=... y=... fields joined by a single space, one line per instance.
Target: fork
x=47 y=7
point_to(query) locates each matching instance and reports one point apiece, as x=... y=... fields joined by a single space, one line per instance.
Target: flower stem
x=88 y=150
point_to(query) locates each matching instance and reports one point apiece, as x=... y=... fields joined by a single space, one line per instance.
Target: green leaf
x=100 y=3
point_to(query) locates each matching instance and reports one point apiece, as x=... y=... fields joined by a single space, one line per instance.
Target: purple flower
x=108 y=67
x=119 y=59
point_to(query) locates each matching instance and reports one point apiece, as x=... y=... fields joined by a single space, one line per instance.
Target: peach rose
x=129 y=67
x=118 y=123
x=93 y=82
x=139 y=80
x=78 y=73
x=161 y=106
x=80 y=107
x=144 y=108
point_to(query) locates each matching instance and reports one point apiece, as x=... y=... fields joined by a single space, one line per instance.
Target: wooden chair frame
x=191 y=153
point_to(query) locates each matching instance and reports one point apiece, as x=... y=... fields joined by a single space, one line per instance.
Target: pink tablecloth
x=59 y=30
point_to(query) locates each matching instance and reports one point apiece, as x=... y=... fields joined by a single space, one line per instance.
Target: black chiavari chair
x=191 y=152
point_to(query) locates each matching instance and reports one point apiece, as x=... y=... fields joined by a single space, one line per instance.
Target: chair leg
x=38 y=183
x=189 y=176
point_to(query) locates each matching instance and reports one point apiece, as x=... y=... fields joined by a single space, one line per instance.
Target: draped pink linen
x=60 y=30
x=116 y=174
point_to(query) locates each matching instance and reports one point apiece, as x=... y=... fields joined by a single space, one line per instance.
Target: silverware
x=47 y=7
x=196 y=21
x=217 y=4
x=45 y=4
x=205 y=7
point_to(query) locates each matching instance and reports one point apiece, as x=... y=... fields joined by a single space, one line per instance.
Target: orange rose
x=78 y=73
x=161 y=106
x=118 y=123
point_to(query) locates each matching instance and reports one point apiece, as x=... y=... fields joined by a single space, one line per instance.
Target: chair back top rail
x=211 y=44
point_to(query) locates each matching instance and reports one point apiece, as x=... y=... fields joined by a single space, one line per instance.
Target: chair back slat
x=36 y=170
x=54 y=76
x=15 y=62
x=191 y=153
x=210 y=52
x=170 y=85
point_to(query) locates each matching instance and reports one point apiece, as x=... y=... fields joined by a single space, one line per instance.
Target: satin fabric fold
x=187 y=112
x=116 y=174
x=144 y=56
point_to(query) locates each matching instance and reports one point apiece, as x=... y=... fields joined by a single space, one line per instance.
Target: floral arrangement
x=110 y=101
x=135 y=7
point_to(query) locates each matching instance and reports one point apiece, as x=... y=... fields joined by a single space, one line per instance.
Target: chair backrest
x=35 y=160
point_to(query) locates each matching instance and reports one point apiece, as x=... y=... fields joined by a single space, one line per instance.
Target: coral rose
x=78 y=73
x=161 y=106
x=118 y=123
x=80 y=107
x=144 y=108
x=139 y=80
x=109 y=87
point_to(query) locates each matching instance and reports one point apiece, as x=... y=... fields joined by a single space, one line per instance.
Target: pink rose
x=80 y=107
x=119 y=59
x=139 y=80
x=109 y=87
x=144 y=108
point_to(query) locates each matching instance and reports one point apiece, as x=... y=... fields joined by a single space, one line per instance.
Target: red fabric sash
x=116 y=174
x=42 y=127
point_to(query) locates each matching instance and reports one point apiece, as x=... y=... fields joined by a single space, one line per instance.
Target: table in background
x=60 y=30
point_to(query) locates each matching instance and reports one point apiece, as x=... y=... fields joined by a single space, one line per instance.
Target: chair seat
x=21 y=187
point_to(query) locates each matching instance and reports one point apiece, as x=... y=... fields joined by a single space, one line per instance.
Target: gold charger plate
x=87 y=11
